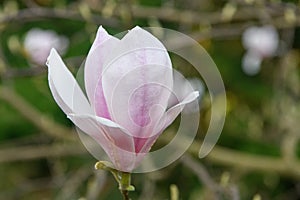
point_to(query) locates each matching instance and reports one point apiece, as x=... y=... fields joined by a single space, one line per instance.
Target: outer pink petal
x=102 y=46
x=114 y=140
x=137 y=80
x=64 y=87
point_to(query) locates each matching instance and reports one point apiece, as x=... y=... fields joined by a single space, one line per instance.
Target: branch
x=23 y=72
x=275 y=11
x=38 y=152
x=34 y=116
x=97 y=185
x=70 y=187
x=234 y=158
x=206 y=179
x=38 y=13
x=201 y=173
x=229 y=157
x=219 y=155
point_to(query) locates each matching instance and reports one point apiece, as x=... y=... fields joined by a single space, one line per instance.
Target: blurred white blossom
x=251 y=63
x=260 y=43
x=38 y=44
x=263 y=40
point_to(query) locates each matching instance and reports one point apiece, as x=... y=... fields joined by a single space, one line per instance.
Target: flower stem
x=123 y=178
x=125 y=194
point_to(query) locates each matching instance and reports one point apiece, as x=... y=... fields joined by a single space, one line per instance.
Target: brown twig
x=34 y=116
x=219 y=155
x=275 y=11
x=125 y=194
x=39 y=13
x=97 y=185
x=73 y=182
x=234 y=158
x=206 y=179
x=40 y=151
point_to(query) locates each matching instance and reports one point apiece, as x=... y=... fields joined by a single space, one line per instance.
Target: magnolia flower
x=128 y=83
x=262 y=40
x=38 y=44
x=251 y=63
x=260 y=43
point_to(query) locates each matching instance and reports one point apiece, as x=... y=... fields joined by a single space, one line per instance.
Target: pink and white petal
x=144 y=144
x=145 y=149
x=139 y=99
x=181 y=88
x=101 y=36
x=164 y=122
x=64 y=87
x=102 y=46
x=114 y=140
x=149 y=143
x=137 y=76
x=173 y=112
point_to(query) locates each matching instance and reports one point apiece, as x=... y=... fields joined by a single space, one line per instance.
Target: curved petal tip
x=52 y=55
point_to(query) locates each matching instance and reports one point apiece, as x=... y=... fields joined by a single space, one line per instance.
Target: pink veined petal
x=164 y=122
x=102 y=46
x=114 y=140
x=148 y=143
x=137 y=77
x=64 y=87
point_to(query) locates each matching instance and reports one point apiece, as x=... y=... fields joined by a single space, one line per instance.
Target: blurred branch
x=34 y=116
x=221 y=32
x=246 y=161
x=218 y=155
x=38 y=13
x=37 y=152
x=97 y=185
x=24 y=187
x=234 y=158
x=274 y=10
x=287 y=87
x=201 y=173
x=23 y=72
x=148 y=189
x=36 y=70
x=277 y=14
x=206 y=179
x=74 y=181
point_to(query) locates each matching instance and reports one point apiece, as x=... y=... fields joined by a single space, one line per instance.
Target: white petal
x=64 y=87
x=173 y=112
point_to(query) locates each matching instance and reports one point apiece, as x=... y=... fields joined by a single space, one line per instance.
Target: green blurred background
x=256 y=157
